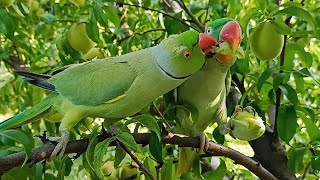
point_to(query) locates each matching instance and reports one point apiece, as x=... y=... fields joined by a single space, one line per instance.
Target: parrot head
x=182 y=55
x=229 y=34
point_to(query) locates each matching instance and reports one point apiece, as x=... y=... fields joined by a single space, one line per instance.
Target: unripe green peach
x=34 y=6
x=94 y=53
x=6 y=3
x=78 y=38
x=128 y=172
x=246 y=124
x=265 y=42
x=109 y=171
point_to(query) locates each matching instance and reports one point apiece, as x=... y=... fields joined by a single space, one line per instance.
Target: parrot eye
x=209 y=30
x=186 y=54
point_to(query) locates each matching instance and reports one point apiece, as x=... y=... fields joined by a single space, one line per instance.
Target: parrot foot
x=237 y=109
x=61 y=146
x=251 y=110
x=204 y=142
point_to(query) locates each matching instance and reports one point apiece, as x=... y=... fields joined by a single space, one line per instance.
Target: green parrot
x=114 y=87
x=203 y=95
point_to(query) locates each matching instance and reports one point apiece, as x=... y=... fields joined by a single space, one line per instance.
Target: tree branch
x=135 y=159
x=155 y=10
x=80 y=146
x=194 y=19
x=139 y=34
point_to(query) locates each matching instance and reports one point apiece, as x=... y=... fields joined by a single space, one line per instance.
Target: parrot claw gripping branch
x=126 y=84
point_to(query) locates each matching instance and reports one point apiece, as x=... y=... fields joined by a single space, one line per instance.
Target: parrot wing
x=94 y=82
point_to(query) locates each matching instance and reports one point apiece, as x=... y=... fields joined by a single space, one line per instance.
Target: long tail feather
x=32 y=114
x=39 y=80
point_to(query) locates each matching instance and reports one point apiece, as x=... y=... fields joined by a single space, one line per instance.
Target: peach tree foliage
x=35 y=33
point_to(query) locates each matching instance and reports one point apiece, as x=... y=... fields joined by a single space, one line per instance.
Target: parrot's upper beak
x=207 y=44
x=231 y=33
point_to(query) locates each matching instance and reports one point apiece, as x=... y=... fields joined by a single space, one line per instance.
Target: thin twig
x=162 y=116
x=194 y=19
x=66 y=20
x=155 y=10
x=135 y=159
x=140 y=33
x=207 y=13
x=305 y=171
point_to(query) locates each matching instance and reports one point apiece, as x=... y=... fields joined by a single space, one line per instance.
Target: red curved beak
x=231 y=33
x=207 y=44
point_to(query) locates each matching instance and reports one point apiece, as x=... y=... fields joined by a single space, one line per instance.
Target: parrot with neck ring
x=204 y=93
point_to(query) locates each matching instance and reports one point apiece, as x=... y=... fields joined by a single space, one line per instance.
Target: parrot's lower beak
x=231 y=33
x=207 y=45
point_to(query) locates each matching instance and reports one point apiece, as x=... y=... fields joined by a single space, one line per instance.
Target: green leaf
x=246 y=19
x=155 y=146
x=89 y=168
x=17 y=173
x=281 y=27
x=299 y=82
x=62 y=169
x=172 y=26
x=14 y=10
x=8 y=24
x=119 y=156
x=48 y=18
x=92 y=28
x=312 y=130
x=242 y=66
x=99 y=151
x=189 y=176
x=290 y=93
x=168 y=170
x=128 y=140
x=112 y=15
x=295 y=158
x=315 y=163
x=305 y=57
x=151 y=167
x=20 y=137
x=218 y=173
x=278 y=79
x=300 y=13
x=196 y=166
x=287 y=123
x=149 y=122
x=39 y=170
x=306 y=73
x=288 y=59
x=100 y=15
x=264 y=76
x=90 y=150
x=218 y=137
